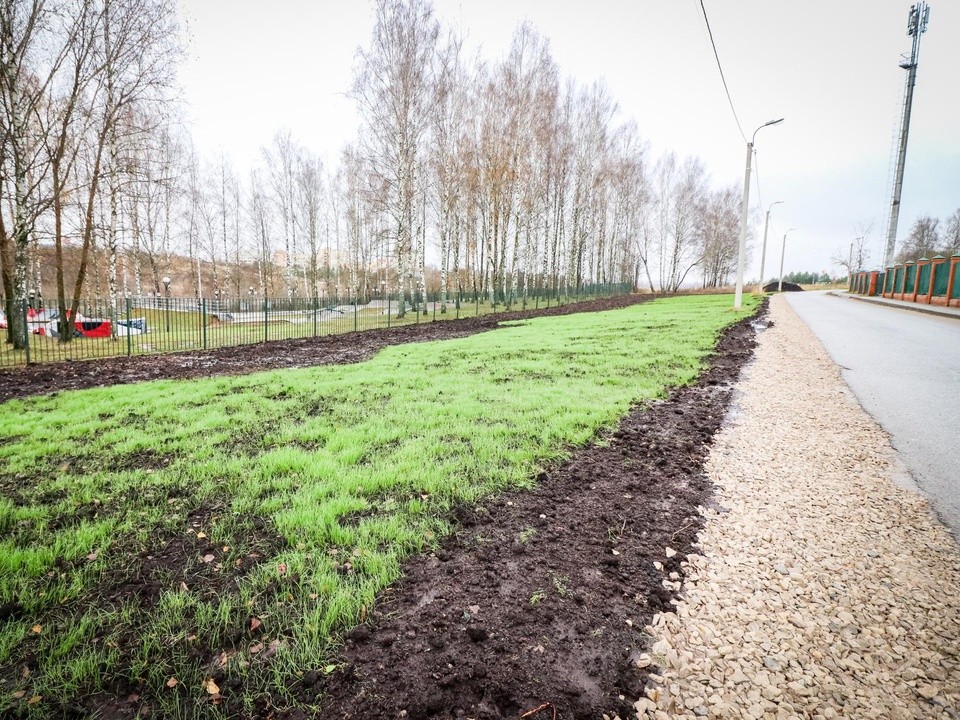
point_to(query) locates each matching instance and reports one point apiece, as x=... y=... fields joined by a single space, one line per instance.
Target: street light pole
x=166 y=287
x=738 y=296
x=763 y=253
x=783 y=251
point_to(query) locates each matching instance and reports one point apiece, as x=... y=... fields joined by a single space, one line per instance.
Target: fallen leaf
x=211 y=687
x=191 y=638
x=429 y=535
x=255 y=648
x=36 y=629
x=132 y=698
x=92 y=556
x=35 y=699
x=254 y=624
x=183 y=586
x=201 y=535
x=208 y=558
x=223 y=659
x=172 y=682
x=313 y=596
x=19 y=694
x=474 y=609
x=329 y=669
x=282 y=568
x=226 y=548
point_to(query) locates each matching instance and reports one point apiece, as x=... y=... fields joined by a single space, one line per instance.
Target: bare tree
x=858 y=256
x=923 y=240
x=35 y=39
x=719 y=231
x=393 y=89
x=950 y=241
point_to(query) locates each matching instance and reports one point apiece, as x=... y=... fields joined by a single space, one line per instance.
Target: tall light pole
x=783 y=251
x=763 y=253
x=166 y=287
x=738 y=296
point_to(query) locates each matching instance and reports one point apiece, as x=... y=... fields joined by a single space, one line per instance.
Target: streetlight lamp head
x=773 y=122
x=166 y=280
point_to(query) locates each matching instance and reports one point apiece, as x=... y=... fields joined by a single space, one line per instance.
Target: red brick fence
x=933 y=281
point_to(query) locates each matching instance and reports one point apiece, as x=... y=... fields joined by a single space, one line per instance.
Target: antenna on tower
x=916 y=25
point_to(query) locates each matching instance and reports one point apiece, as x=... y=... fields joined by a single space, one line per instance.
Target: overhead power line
x=720 y=67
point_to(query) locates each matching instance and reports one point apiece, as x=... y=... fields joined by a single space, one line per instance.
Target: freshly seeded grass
x=340 y=472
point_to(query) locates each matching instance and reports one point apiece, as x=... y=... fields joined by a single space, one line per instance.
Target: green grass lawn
x=236 y=527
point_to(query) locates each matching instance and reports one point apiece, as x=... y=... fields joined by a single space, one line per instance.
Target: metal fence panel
x=149 y=325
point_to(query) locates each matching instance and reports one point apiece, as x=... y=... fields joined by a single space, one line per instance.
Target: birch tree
x=393 y=90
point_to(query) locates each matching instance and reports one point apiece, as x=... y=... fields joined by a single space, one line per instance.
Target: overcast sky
x=829 y=68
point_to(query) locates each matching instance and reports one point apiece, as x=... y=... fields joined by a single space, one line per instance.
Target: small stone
x=927 y=692
x=772 y=663
x=782 y=569
x=701 y=711
x=670 y=552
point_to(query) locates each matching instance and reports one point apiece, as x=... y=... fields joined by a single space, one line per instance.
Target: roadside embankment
x=822 y=589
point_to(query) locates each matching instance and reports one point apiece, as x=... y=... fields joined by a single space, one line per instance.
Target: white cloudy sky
x=830 y=68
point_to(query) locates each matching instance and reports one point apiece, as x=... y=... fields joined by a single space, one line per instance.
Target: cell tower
x=916 y=26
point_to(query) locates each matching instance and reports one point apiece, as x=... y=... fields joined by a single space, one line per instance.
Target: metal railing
x=148 y=325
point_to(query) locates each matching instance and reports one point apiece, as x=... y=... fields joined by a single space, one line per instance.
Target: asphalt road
x=904 y=368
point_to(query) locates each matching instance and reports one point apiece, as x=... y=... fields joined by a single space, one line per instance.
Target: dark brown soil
x=539 y=600
x=327 y=350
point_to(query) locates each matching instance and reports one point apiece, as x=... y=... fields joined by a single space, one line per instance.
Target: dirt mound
x=539 y=600
x=787 y=287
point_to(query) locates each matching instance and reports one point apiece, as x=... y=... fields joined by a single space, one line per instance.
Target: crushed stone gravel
x=822 y=589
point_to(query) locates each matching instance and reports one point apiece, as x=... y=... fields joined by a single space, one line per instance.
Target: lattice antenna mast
x=916 y=26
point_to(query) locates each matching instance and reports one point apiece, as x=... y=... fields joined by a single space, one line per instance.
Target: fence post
x=129 y=333
x=389 y=298
x=203 y=316
x=316 y=306
x=355 y=313
x=26 y=329
x=264 y=319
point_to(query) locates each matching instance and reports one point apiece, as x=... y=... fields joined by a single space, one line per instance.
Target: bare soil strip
x=539 y=600
x=242 y=359
x=819 y=588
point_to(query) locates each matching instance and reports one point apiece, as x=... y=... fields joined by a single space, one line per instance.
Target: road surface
x=904 y=368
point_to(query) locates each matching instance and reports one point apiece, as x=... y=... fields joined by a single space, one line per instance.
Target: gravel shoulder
x=821 y=588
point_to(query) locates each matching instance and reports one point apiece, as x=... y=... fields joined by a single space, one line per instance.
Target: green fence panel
x=911 y=280
x=941 y=273
x=923 y=283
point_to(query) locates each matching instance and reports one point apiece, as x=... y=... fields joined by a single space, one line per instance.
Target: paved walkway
x=821 y=589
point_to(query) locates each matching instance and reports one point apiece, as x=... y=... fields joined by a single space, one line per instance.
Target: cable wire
x=720 y=67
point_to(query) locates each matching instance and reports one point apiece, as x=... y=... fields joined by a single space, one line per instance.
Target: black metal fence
x=147 y=325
